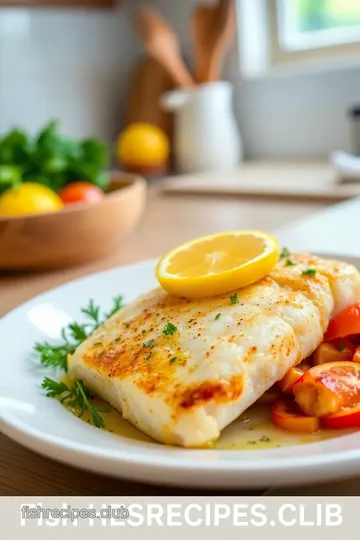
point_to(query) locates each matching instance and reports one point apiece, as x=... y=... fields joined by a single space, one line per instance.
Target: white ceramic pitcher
x=206 y=133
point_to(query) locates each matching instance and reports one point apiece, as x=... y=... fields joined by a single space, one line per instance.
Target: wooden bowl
x=76 y=234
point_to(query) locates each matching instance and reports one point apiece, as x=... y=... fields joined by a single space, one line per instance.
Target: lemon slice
x=217 y=264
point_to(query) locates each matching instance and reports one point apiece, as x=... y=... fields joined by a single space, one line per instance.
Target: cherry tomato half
x=293 y=375
x=81 y=192
x=285 y=415
x=346 y=323
x=345 y=419
x=327 y=388
x=333 y=352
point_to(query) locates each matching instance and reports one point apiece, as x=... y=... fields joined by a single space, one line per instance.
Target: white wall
x=297 y=115
x=73 y=65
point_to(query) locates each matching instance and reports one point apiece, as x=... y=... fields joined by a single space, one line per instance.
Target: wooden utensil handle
x=178 y=71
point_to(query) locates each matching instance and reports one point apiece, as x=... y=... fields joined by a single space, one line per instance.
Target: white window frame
x=261 y=52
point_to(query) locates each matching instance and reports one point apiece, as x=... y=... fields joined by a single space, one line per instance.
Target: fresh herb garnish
x=289 y=263
x=97 y=343
x=143 y=331
x=173 y=359
x=77 y=397
x=149 y=356
x=265 y=438
x=150 y=343
x=234 y=299
x=284 y=253
x=73 y=335
x=309 y=272
x=217 y=316
x=340 y=347
x=118 y=303
x=169 y=329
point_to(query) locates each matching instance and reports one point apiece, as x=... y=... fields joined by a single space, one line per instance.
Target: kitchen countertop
x=168 y=220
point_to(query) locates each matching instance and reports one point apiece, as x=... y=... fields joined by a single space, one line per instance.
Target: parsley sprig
x=74 y=334
x=78 y=396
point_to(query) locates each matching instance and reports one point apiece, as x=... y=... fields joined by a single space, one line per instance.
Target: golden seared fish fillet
x=181 y=370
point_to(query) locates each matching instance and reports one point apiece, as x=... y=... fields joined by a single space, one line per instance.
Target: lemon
x=29 y=198
x=218 y=263
x=143 y=145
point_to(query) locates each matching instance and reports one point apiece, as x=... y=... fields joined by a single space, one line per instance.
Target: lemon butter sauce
x=253 y=430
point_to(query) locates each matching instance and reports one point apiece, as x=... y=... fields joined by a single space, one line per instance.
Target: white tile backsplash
x=72 y=65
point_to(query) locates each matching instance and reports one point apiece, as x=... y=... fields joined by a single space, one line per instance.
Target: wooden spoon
x=161 y=43
x=212 y=28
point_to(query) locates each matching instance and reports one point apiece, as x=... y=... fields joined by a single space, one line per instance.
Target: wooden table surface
x=168 y=220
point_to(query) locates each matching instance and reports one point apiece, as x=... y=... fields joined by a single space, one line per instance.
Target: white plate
x=45 y=426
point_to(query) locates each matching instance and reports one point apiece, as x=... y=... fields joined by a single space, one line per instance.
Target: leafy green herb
x=340 y=347
x=117 y=339
x=143 y=331
x=234 y=299
x=169 y=329
x=149 y=356
x=72 y=336
x=92 y=312
x=77 y=397
x=217 y=316
x=52 y=159
x=150 y=343
x=309 y=272
x=289 y=263
x=118 y=303
x=56 y=357
x=265 y=438
x=98 y=343
x=284 y=253
x=173 y=359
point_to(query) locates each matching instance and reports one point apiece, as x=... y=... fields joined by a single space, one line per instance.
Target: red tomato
x=346 y=323
x=327 y=388
x=345 y=419
x=285 y=415
x=293 y=375
x=81 y=192
x=335 y=351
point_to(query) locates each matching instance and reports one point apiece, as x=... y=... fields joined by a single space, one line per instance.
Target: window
x=278 y=32
x=307 y=24
x=305 y=29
